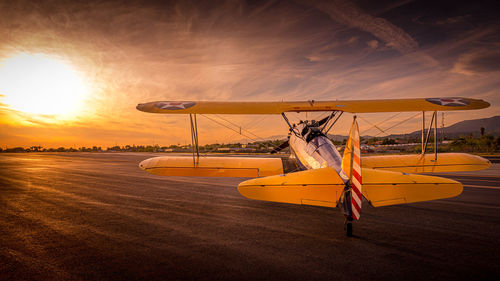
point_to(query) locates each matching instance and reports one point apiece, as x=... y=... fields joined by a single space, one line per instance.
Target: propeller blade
x=281 y=147
x=323 y=121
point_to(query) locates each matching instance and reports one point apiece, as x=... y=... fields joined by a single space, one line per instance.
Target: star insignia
x=174 y=105
x=449 y=101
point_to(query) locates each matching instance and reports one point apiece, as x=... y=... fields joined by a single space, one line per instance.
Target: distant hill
x=466 y=127
x=491 y=125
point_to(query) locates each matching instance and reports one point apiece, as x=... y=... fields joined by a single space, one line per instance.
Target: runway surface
x=95 y=216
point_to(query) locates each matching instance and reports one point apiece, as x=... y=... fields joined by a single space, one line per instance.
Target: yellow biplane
x=322 y=177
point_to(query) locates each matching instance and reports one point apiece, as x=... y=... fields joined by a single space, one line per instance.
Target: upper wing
x=354 y=106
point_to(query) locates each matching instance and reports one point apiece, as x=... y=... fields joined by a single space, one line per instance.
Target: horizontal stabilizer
x=384 y=188
x=269 y=107
x=319 y=187
x=212 y=166
x=323 y=187
x=418 y=163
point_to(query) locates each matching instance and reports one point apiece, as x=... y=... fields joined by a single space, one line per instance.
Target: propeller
x=323 y=121
x=280 y=147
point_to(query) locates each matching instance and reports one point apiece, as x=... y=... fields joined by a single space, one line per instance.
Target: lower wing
x=253 y=167
x=213 y=166
x=418 y=163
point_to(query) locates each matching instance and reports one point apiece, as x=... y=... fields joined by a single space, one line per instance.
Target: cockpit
x=314 y=149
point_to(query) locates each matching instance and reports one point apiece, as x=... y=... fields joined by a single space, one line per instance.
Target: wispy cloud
x=481 y=60
x=347 y=13
x=241 y=50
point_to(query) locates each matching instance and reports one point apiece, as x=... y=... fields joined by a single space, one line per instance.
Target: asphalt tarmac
x=97 y=216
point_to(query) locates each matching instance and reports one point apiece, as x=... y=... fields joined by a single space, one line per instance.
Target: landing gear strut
x=346 y=208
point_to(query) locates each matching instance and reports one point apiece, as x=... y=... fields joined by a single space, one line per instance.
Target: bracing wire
x=377 y=126
x=397 y=124
x=235 y=130
x=236 y=125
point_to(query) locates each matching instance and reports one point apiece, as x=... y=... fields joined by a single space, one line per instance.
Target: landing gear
x=348 y=227
x=346 y=208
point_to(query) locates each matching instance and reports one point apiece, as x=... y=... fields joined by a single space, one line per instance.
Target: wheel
x=348 y=229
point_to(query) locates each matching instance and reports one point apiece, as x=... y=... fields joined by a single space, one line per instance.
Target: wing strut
x=289 y=125
x=435 y=135
x=325 y=121
x=326 y=132
x=424 y=143
x=194 y=139
x=286 y=120
x=423 y=131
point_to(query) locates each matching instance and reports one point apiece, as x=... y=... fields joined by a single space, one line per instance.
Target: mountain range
x=467 y=127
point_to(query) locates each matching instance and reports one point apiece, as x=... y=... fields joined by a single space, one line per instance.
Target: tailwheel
x=348 y=228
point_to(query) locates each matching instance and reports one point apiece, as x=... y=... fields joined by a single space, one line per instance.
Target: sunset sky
x=72 y=72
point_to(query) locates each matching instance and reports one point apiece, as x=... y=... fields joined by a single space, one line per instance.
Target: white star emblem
x=174 y=105
x=449 y=101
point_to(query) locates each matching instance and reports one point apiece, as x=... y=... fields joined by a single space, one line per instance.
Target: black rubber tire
x=348 y=229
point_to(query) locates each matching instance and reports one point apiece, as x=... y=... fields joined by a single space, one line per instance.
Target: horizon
x=399 y=136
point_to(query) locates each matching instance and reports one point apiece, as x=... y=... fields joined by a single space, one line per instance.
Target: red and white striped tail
x=357 y=191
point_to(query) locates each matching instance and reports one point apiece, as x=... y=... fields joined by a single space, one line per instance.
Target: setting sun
x=41 y=84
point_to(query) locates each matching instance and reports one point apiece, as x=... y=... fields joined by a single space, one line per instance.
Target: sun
x=41 y=84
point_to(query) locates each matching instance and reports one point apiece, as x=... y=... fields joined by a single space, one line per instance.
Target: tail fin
x=351 y=165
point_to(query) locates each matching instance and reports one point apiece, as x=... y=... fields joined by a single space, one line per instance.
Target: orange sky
x=239 y=50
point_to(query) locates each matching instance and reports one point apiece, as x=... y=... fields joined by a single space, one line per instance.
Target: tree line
x=263 y=146
x=469 y=143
